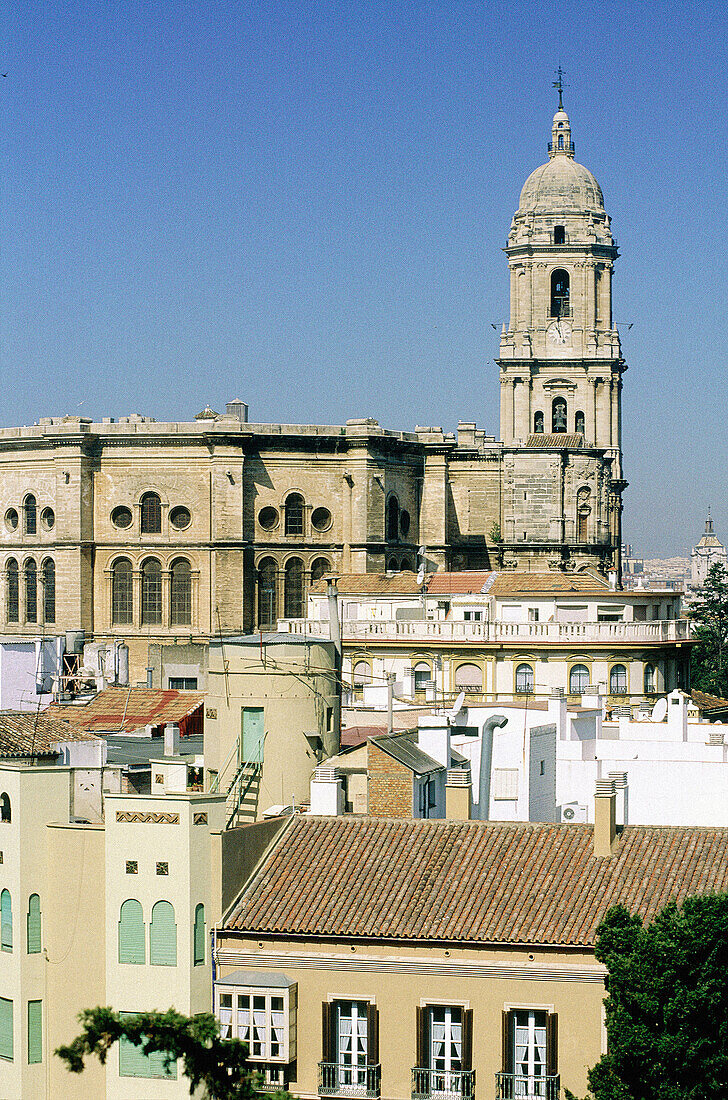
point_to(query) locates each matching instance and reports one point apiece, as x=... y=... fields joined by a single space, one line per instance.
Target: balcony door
x=351 y=1044
x=350 y=1065
x=444 y=1054
x=530 y=1051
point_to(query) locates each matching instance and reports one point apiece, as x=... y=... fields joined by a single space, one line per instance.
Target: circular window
x=48 y=519
x=321 y=519
x=268 y=518
x=11 y=519
x=404 y=521
x=180 y=517
x=121 y=516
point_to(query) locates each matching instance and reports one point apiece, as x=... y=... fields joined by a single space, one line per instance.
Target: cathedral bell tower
x=560 y=358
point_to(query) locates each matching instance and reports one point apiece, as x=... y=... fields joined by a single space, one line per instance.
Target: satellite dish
x=659 y=711
x=421 y=575
x=421 y=551
x=457 y=705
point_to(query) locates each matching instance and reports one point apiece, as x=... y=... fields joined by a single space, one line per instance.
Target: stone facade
x=174 y=532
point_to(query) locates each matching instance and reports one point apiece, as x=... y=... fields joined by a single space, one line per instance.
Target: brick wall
x=390 y=785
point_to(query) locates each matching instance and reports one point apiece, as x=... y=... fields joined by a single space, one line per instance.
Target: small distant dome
x=561 y=185
x=207 y=414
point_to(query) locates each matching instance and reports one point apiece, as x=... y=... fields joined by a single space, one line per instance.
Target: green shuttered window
x=6 y=1029
x=33 y=922
x=199 y=936
x=133 y=1062
x=35 y=1032
x=163 y=935
x=131 y=933
x=6 y=921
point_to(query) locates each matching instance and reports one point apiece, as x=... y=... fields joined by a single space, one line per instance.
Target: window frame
x=528 y=682
x=150 y=513
x=232 y=1029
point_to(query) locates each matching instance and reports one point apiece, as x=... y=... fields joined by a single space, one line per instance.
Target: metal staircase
x=241 y=806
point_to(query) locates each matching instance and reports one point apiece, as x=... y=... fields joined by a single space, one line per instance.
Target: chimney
x=458 y=795
x=677 y=715
x=171 y=739
x=622 y=799
x=433 y=737
x=238 y=409
x=605 y=819
x=327 y=792
x=557 y=710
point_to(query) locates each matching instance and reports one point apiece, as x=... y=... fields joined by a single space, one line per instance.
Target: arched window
x=13 y=590
x=319 y=567
x=618 y=680
x=5 y=814
x=163 y=935
x=578 y=679
x=151 y=517
x=579 y=422
x=33 y=925
x=558 y=415
x=131 y=933
x=6 y=921
x=559 y=234
x=469 y=678
x=49 y=590
x=422 y=677
x=361 y=675
x=198 y=936
x=649 y=680
x=294 y=514
x=538 y=423
x=524 y=680
x=560 y=293
x=392 y=518
x=393 y=565
x=30 y=571
x=122 y=592
x=561 y=141
x=30 y=512
x=267 y=596
x=293 y=589
x=151 y=591
x=180 y=593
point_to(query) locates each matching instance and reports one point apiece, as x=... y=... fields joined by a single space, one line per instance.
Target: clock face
x=558 y=335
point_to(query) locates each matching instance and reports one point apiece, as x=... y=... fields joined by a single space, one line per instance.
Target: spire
x=559 y=84
x=561 y=143
x=709 y=523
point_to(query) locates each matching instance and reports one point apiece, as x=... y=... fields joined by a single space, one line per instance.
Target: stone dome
x=560 y=185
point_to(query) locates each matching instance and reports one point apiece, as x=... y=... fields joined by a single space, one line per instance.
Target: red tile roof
x=523 y=583
x=371 y=584
x=704 y=701
x=27 y=733
x=468 y=580
x=124 y=709
x=483 y=882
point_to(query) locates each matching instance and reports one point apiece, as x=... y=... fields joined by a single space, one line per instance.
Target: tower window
x=538 y=423
x=559 y=234
x=579 y=422
x=558 y=415
x=560 y=294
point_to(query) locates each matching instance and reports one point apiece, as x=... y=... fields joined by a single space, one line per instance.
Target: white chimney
x=557 y=711
x=433 y=737
x=327 y=792
x=171 y=739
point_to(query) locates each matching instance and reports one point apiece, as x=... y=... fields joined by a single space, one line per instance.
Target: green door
x=252 y=735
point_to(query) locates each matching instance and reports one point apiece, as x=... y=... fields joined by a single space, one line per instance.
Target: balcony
x=514 y=1086
x=655 y=632
x=433 y=1084
x=345 y=1081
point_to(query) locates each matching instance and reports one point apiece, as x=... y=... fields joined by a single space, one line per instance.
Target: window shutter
x=6 y=1029
x=133 y=1062
x=33 y=922
x=327 y=1032
x=35 y=1032
x=423 y=1058
x=467 y=1038
x=131 y=933
x=6 y=921
x=508 y=1042
x=163 y=935
x=199 y=935
x=552 y=1044
x=372 y=1035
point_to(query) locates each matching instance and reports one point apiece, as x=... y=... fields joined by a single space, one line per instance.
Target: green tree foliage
x=710 y=615
x=218 y=1065
x=667 y=1008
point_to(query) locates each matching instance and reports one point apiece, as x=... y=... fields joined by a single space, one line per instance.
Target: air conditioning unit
x=574 y=811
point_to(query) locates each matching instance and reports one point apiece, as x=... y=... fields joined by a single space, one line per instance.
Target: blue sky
x=303 y=206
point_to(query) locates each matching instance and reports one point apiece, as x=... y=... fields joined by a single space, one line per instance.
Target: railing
x=656 y=631
x=339 y=1080
x=433 y=1084
x=516 y=1086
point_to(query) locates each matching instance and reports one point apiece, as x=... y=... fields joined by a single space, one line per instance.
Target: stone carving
x=138 y=818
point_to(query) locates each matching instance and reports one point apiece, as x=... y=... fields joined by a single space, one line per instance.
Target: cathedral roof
x=561 y=185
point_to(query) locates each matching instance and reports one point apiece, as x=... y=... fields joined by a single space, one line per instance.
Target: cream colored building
x=163 y=532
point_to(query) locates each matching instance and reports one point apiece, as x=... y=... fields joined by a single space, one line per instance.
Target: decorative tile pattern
x=137 y=817
x=162 y=868
x=199 y=819
x=132 y=867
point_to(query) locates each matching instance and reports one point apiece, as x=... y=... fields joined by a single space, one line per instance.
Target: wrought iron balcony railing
x=449 y=1084
x=516 y=1086
x=364 y=1082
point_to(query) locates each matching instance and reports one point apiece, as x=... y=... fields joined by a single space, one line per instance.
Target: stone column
x=603 y=398
x=515 y=304
x=506 y=418
x=521 y=408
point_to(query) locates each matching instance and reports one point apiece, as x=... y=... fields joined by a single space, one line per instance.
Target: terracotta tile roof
x=573 y=440
x=123 y=709
x=352 y=736
x=469 y=580
x=25 y=733
x=523 y=583
x=486 y=882
x=708 y=702
x=371 y=584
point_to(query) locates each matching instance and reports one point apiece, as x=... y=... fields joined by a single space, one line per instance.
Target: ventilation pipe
x=496 y=721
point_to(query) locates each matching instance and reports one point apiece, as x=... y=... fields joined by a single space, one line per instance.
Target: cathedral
x=172 y=532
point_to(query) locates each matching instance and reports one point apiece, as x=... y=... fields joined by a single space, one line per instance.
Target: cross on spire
x=559 y=85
